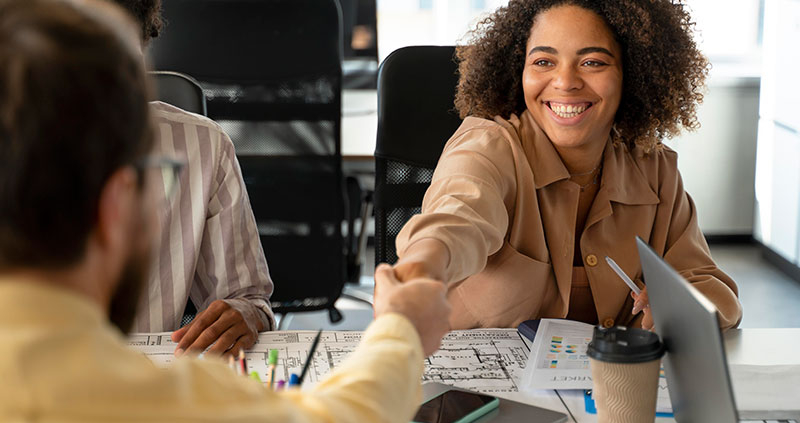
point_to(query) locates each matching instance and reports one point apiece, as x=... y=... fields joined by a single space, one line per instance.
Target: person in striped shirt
x=210 y=252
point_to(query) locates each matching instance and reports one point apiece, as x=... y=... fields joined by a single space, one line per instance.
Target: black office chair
x=416 y=117
x=271 y=71
x=180 y=91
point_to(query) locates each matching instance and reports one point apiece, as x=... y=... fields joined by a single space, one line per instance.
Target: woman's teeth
x=568 y=110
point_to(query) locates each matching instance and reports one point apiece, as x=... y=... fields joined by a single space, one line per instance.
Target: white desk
x=743 y=347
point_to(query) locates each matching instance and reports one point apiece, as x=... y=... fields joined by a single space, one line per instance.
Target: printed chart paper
x=558 y=357
x=558 y=360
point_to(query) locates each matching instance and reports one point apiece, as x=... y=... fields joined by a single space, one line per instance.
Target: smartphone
x=455 y=407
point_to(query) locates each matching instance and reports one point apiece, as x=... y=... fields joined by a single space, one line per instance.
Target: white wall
x=717 y=162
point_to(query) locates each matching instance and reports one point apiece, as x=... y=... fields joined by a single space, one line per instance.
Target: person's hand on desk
x=642 y=303
x=221 y=325
x=422 y=301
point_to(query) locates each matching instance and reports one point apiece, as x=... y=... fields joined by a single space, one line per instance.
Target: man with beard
x=79 y=190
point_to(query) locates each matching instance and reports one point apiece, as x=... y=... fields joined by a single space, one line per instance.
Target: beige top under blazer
x=502 y=202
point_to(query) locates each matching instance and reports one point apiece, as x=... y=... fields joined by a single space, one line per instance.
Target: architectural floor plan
x=485 y=360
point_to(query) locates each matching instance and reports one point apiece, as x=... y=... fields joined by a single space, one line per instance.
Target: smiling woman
x=665 y=71
x=559 y=163
x=572 y=81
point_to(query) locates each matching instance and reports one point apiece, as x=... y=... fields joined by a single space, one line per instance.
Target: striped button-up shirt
x=209 y=247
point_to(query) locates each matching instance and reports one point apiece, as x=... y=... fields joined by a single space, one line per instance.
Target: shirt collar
x=545 y=162
x=621 y=176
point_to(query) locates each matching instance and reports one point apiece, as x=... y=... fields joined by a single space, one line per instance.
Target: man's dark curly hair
x=663 y=71
x=147 y=13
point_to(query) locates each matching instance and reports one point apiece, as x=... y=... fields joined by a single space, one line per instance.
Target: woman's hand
x=642 y=303
x=426 y=258
x=406 y=270
x=422 y=301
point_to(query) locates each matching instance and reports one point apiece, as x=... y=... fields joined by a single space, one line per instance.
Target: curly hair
x=147 y=14
x=664 y=72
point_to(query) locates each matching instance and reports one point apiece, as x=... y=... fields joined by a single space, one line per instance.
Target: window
x=427 y=22
x=727 y=30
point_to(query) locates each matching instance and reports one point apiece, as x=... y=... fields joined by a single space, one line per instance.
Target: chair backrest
x=180 y=91
x=416 y=117
x=272 y=73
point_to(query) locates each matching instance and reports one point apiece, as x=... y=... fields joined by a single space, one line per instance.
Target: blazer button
x=608 y=323
x=591 y=260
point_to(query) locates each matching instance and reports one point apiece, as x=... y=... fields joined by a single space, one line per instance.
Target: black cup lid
x=623 y=345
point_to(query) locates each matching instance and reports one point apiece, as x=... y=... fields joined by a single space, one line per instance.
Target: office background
x=742 y=167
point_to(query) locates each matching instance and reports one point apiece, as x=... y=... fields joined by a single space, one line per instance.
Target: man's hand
x=219 y=324
x=422 y=301
x=641 y=302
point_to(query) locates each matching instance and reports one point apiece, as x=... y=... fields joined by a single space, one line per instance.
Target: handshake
x=423 y=301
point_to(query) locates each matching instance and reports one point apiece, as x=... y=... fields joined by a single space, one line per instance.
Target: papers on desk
x=558 y=360
x=558 y=356
x=484 y=360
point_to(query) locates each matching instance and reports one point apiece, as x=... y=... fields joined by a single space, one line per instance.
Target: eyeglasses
x=170 y=171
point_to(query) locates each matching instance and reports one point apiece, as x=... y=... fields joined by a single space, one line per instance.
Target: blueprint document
x=483 y=360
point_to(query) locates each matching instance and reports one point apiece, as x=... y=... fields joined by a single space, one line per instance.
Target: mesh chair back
x=416 y=117
x=271 y=71
x=180 y=91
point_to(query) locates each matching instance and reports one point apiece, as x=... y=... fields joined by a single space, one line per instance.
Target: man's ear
x=116 y=209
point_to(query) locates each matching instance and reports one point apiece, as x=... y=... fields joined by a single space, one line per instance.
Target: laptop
x=695 y=364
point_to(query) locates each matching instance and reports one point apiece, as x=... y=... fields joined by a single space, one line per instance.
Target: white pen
x=623 y=276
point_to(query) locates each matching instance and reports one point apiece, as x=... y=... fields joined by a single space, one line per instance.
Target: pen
x=310 y=357
x=623 y=276
x=273 y=361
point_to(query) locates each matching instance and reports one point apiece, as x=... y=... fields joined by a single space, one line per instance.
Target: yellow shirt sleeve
x=62 y=361
x=379 y=382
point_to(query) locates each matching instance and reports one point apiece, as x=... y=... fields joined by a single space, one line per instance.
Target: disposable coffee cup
x=625 y=364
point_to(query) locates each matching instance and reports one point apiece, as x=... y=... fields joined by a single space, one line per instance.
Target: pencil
x=622 y=275
x=310 y=357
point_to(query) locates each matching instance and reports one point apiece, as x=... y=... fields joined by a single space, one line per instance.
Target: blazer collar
x=622 y=178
